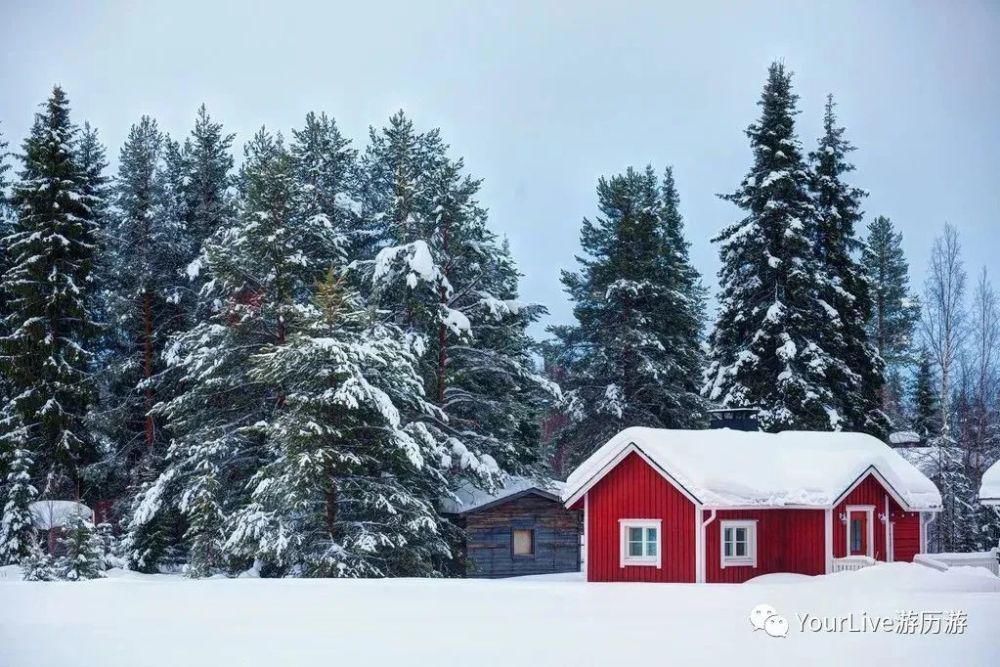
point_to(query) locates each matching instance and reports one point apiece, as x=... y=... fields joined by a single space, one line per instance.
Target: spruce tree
x=633 y=356
x=857 y=373
x=346 y=492
x=926 y=404
x=767 y=347
x=82 y=550
x=48 y=324
x=895 y=311
x=16 y=529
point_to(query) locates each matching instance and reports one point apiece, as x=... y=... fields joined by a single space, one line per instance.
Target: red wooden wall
x=787 y=541
x=634 y=490
x=905 y=535
x=906 y=531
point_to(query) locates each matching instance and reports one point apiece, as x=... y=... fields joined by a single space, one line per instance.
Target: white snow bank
x=895 y=577
x=49 y=514
x=470 y=497
x=989 y=492
x=726 y=468
x=167 y=621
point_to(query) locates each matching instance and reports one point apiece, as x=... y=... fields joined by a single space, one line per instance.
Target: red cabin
x=726 y=506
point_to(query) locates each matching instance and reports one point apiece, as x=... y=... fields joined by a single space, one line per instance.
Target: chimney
x=738 y=419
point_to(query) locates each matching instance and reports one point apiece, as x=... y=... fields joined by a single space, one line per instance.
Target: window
x=739 y=543
x=856 y=545
x=640 y=542
x=523 y=542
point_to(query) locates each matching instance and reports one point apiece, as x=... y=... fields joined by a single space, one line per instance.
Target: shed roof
x=727 y=468
x=49 y=514
x=470 y=498
x=905 y=438
x=989 y=492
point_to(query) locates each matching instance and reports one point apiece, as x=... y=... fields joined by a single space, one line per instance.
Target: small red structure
x=726 y=506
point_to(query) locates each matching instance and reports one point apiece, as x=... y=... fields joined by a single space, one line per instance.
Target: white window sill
x=738 y=563
x=641 y=563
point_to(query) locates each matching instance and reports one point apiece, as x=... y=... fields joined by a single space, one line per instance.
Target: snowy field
x=137 y=620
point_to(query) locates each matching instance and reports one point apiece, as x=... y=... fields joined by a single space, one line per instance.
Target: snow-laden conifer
x=634 y=356
x=48 y=326
x=767 y=348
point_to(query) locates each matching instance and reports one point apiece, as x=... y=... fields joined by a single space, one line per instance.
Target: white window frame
x=750 y=559
x=640 y=561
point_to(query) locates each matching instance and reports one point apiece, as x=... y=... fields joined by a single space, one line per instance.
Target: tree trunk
x=147 y=367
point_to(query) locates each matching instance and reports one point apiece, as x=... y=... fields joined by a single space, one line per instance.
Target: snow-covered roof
x=904 y=438
x=727 y=468
x=989 y=492
x=49 y=514
x=471 y=498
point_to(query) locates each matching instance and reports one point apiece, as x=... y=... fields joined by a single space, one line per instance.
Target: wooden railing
x=852 y=563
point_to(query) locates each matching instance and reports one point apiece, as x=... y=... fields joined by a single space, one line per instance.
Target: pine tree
x=766 y=348
x=150 y=249
x=682 y=331
x=5 y=212
x=6 y=222
x=49 y=327
x=325 y=172
x=857 y=374
x=895 y=311
x=346 y=492
x=209 y=161
x=147 y=302
x=445 y=278
x=634 y=355
x=82 y=551
x=926 y=404
x=16 y=529
x=257 y=269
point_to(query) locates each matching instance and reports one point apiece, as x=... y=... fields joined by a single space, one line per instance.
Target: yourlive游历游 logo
x=765 y=617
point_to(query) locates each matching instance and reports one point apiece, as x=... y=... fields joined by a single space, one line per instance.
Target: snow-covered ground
x=130 y=619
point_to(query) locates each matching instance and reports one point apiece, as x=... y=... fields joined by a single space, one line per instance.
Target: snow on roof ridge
x=727 y=468
x=471 y=497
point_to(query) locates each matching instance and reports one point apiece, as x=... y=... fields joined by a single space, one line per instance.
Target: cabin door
x=857 y=533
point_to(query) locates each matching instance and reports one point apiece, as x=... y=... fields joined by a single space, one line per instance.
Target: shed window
x=739 y=543
x=640 y=542
x=523 y=541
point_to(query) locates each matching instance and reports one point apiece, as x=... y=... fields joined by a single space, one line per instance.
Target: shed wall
x=489 y=549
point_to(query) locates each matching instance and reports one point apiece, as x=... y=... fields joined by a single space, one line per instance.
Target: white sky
x=541 y=98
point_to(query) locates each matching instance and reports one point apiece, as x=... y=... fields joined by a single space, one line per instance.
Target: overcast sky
x=541 y=98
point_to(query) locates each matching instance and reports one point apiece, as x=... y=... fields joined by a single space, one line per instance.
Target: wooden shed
x=521 y=529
